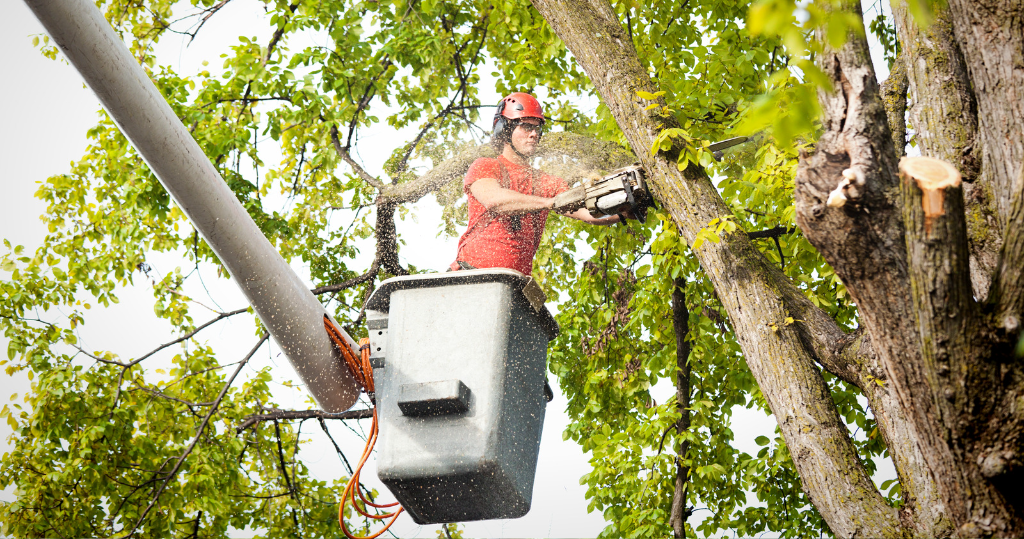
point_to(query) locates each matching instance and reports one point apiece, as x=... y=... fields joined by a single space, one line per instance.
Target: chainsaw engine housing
x=621 y=190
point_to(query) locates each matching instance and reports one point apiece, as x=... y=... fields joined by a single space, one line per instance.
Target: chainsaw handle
x=570 y=201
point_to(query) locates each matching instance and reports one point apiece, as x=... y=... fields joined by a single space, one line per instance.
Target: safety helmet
x=512 y=108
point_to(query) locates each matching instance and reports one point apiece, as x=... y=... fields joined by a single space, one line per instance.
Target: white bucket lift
x=460 y=356
x=460 y=359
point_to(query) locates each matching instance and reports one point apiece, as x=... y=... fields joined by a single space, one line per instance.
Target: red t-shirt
x=493 y=241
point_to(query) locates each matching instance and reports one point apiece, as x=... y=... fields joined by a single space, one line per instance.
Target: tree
x=873 y=300
x=934 y=356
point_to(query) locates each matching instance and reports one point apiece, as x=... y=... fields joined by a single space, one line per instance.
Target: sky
x=46 y=111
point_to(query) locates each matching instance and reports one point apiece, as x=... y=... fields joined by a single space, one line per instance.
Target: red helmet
x=511 y=109
x=519 y=105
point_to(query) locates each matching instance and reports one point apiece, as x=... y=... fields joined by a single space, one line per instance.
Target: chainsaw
x=622 y=190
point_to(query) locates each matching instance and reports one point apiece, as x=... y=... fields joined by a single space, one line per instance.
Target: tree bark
x=894 y=95
x=945 y=118
x=902 y=252
x=681 y=326
x=757 y=297
x=991 y=33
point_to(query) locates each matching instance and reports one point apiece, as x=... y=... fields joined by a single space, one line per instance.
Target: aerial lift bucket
x=460 y=359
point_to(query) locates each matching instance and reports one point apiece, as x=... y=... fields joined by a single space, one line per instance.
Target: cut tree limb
x=966 y=387
x=940 y=278
x=945 y=117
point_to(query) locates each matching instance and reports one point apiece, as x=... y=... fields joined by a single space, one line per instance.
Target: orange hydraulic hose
x=362 y=371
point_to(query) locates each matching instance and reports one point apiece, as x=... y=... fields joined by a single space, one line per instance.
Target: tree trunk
x=945 y=117
x=681 y=326
x=991 y=33
x=934 y=364
x=757 y=297
x=905 y=261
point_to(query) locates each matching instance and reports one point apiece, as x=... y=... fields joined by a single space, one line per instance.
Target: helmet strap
x=514 y=149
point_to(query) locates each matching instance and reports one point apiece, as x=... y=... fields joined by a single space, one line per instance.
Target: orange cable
x=362 y=371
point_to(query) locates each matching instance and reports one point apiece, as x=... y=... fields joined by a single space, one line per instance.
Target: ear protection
x=499 y=121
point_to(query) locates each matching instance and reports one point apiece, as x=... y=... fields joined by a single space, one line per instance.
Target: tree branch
x=894 y=96
x=188 y=335
x=1008 y=287
x=209 y=12
x=195 y=440
x=345 y=156
x=323 y=426
x=280 y=461
x=681 y=326
x=175 y=399
x=278 y=415
x=360 y=279
x=773 y=232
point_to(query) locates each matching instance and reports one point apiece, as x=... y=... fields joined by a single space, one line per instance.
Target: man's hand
x=584 y=215
x=571 y=200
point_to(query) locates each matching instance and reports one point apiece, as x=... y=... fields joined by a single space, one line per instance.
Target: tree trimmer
x=621 y=190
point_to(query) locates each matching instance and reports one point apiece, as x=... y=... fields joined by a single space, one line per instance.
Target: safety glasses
x=538 y=128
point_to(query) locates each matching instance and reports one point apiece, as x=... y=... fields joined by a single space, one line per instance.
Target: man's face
x=527 y=135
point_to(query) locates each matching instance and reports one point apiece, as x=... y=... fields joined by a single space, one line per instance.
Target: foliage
x=97 y=438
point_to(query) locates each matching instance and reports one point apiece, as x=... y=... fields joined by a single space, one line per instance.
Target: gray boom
x=284 y=304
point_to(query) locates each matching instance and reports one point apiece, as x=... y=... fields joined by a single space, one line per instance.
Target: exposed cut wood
x=933 y=176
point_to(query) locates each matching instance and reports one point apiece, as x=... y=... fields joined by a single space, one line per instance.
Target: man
x=509 y=200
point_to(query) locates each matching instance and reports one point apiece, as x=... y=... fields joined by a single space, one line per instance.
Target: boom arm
x=283 y=302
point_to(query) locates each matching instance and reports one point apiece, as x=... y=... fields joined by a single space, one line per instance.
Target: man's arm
x=497 y=199
x=583 y=214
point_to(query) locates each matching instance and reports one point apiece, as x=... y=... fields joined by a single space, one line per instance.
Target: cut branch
x=941 y=287
x=149 y=354
x=280 y=415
